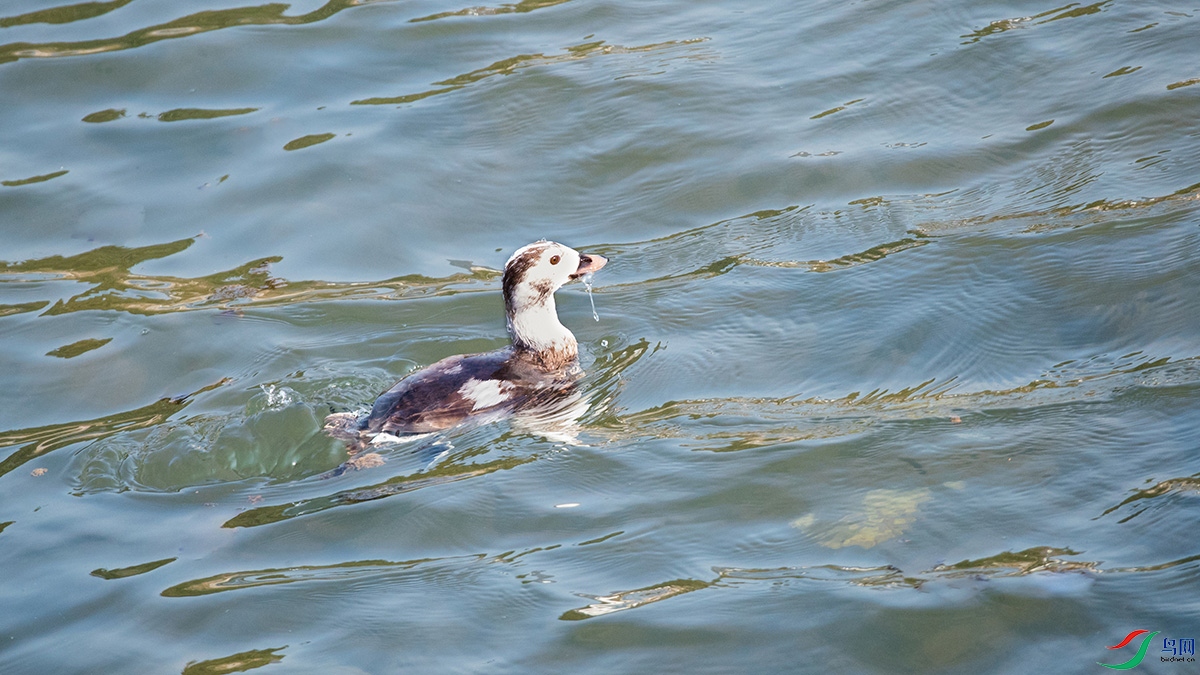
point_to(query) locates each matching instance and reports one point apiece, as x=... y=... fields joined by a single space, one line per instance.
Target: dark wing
x=430 y=399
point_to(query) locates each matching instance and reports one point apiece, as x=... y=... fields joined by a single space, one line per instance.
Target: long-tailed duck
x=541 y=364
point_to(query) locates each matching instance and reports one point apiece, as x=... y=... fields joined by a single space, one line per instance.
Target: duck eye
x=554 y=260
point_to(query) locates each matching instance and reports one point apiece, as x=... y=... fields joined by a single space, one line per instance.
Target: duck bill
x=589 y=264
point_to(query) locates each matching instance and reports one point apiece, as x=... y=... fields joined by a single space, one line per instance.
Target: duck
x=540 y=365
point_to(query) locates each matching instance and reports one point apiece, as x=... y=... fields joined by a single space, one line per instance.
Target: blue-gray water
x=897 y=366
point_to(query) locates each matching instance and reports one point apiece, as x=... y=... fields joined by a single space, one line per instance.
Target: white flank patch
x=485 y=393
x=385 y=437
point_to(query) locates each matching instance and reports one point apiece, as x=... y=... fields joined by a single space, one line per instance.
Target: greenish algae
x=235 y=663
x=308 y=141
x=104 y=116
x=34 y=179
x=134 y=570
x=80 y=347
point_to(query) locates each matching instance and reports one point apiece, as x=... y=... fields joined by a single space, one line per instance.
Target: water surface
x=897 y=366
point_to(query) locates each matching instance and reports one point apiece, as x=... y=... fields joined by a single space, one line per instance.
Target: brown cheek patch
x=515 y=273
x=543 y=288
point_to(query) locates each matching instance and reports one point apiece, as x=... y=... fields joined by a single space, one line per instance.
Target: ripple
x=39 y=441
x=78 y=347
x=308 y=141
x=882 y=576
x=113 y=286
x=235 y=663
x=192 y=24
x=185 y=114
x=207 y=449
x=1173 y=489
x=513 y=64
x=34 y=179
x=625 y=600
x=270 y=430
x=837 y=109
x=236 y=581
x=607 y=378
x=1069 y=11
x=1020 y=563
x=1037 y=561
x=447 y=472
x=507 y=8
x=101 y=116
x=65 y=13
x=736 y=424
x=134 y=570
x=765 y=238
x=950 y=361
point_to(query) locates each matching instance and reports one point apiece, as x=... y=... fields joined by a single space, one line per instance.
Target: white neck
x=536 y=327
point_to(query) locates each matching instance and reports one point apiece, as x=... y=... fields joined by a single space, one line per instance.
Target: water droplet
x=278 y=398
x=587 y=283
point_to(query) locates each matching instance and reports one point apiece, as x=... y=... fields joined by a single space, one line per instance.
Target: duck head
x=531 y=276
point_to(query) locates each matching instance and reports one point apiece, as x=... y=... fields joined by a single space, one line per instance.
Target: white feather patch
x=385 y=437
x=485 y=393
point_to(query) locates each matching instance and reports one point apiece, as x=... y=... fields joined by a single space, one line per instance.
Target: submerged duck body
x=449 y=391
x=541 y=364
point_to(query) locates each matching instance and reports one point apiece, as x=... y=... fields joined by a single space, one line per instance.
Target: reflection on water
x=623 y=600
x=107 y=115
x=278 y=436
x=115 y=287
x=185 y=449
x=205 y=449
x=1039 y=561
x=1168 y=488
x=42 y=440
x=897 y=364
x=108 y=269
x=183 y=114
x=1069 y=11
x=445 y=473
x=78 y=347
x=507 y=8
x=1043 y=562
x=34 y=179
x=762 y=235
x=702 y=422
x=174 y=115
x=1018 y=563
x=233 y=581
x=235 y=663
x=308 y=141
x=131 y=571
x=192 y=24
x=65 y=13
x=513 y=64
